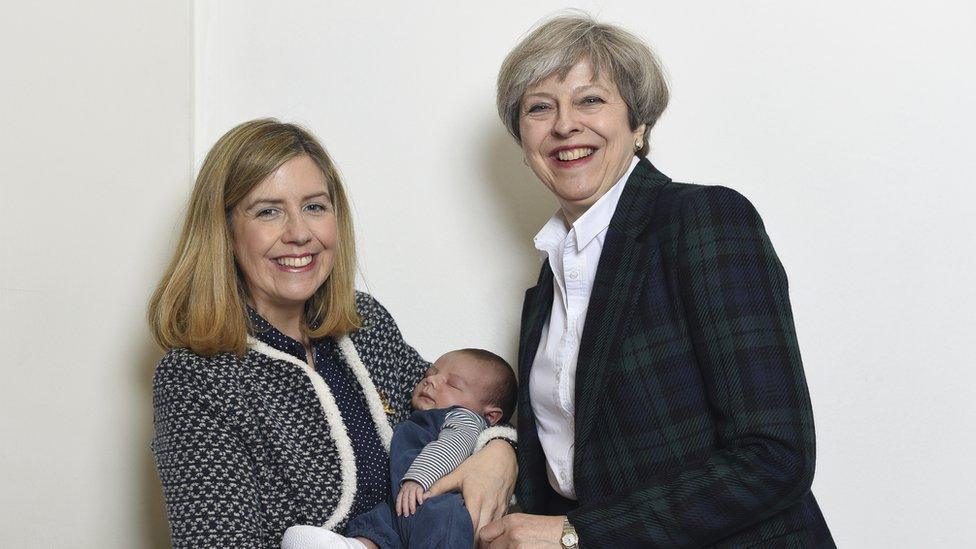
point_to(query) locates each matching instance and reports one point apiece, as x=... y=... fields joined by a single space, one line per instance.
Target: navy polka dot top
x=372 y=461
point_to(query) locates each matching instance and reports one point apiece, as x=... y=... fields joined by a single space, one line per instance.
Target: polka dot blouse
x=372 y=461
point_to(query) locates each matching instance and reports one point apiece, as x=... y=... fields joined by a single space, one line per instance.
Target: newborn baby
x=463 y=393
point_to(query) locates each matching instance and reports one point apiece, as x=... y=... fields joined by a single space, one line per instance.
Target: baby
x=463 y=393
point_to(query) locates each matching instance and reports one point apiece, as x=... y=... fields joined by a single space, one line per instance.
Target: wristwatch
x=569 y=539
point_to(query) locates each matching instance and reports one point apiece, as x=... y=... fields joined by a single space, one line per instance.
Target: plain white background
x=848 y=125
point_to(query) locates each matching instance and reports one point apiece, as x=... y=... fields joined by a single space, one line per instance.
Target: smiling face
x=284 y=237
x=576 y=136
x=454 y=380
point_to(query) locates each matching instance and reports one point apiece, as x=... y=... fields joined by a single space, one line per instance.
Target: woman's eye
x=267 y=213
x=537 y=108
x=317 y=207
x=592 y=100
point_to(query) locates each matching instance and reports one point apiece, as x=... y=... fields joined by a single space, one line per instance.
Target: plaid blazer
x=693 y=421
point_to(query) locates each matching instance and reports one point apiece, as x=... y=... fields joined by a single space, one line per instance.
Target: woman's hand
x=521 y=530
x=486 y=480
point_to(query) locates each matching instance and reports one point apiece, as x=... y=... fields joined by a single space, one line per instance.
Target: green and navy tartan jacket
x=693 y=420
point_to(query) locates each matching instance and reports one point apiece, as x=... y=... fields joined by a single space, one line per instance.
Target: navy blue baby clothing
x=441 y=521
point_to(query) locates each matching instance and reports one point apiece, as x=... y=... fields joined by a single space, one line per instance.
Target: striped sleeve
x=453 y=445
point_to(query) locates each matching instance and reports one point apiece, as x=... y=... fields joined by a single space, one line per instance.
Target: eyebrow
x=260 y=200
x=576 y=90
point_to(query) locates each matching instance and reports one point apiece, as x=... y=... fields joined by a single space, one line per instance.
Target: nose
x=567 y=123
x=296 y=230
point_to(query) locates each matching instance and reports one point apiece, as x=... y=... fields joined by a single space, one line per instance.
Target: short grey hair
x=559 y=43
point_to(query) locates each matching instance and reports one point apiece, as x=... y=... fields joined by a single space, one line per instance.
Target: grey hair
x=559 y=43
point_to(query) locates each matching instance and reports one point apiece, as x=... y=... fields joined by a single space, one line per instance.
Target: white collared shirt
x=574 y=255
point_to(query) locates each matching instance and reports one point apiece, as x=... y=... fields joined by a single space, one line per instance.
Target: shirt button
x=573 y=275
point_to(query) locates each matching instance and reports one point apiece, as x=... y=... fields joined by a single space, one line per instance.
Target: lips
x=294 y=263
x=575 y=153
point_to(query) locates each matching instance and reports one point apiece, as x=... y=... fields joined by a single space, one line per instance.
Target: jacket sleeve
x=734 y=294
x=207 y=478
x=395 y=364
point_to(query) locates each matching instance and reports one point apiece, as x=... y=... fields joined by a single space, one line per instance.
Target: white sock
x=313 y=537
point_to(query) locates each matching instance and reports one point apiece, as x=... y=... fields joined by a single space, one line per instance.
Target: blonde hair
x=558 y=44
x=200 y=301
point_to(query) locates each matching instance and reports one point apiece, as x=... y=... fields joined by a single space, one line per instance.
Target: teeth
x=294 y=261
x=573 y=154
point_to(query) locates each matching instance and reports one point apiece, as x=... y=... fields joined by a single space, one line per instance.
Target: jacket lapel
x=532 y=485
x=619 y=278
x=535 y=312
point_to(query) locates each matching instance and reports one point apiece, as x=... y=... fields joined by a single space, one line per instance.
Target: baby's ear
x=492 y=414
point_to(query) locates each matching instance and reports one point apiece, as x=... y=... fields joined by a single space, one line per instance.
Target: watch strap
x=569 y=539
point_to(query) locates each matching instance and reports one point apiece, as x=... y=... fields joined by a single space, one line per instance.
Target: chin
x=297 y=295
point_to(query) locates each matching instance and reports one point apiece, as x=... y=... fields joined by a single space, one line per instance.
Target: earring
x=638 y=145
x=524 y=161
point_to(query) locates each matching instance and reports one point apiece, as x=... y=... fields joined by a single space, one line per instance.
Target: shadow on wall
x=155 y=526
x=520 y=201
x=521 y=204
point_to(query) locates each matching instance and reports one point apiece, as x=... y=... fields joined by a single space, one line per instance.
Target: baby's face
x=453 y=380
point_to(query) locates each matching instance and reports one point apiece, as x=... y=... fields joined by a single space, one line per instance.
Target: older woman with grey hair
x=663 y=401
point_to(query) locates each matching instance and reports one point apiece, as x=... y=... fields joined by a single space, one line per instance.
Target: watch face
x=569 y=539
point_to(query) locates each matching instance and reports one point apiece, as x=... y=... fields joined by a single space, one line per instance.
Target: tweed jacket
x=693 y=420
x=247 y=446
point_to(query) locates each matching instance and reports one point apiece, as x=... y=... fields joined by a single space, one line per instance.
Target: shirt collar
x=551 y=236
x=267 y=333
x=257 y=321
x=593 y=221
x=597 y=218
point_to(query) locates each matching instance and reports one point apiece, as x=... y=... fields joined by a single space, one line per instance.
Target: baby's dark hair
x=504 y=387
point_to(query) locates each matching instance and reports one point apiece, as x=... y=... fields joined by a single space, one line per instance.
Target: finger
x=491 y=531
x=399 y=504
x=450 y=482
x=486 y=512
x=501 y=508
x=474 y=509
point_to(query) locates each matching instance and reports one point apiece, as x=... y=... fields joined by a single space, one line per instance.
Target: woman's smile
x=295 y=263
x=571 y=156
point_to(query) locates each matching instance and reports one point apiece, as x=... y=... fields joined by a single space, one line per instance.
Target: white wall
x=95 y=126
x=848 y=124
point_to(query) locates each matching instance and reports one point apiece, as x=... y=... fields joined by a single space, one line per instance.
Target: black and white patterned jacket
x=247 y=446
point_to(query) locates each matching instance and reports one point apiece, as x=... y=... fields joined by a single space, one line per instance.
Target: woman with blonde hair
x=275 y=400
x=662 y=401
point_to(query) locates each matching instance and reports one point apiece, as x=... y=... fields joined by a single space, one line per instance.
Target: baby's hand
x=410 y=497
